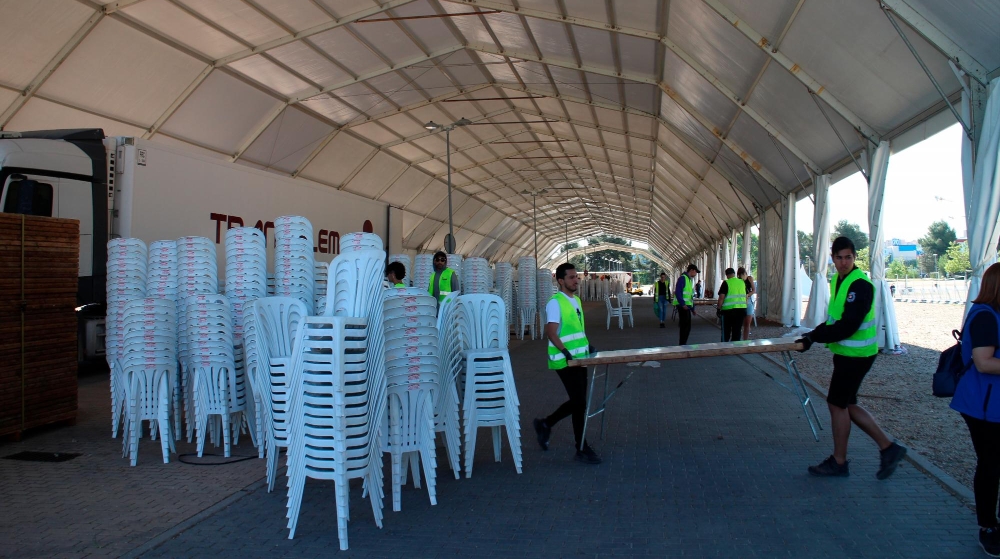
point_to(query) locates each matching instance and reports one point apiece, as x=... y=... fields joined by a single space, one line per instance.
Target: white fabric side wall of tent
x=819 y=295
x=885 y=310
x=716 y=271
x=981 y=183
x=791 y=300
x=747 y=235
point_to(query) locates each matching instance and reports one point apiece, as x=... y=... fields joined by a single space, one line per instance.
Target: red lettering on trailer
x=234 y=219
x=322 y=242
x=327 y=240
x=219 y=219
x=368 y=227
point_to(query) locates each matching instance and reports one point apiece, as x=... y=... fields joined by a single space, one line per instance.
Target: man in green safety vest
x=732 y=306
x=684 y=301
x=394 y=274
x=565 y=331
x=850 y=333
x=444 y=280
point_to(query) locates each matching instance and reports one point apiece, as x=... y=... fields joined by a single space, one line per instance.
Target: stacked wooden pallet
x=39 y=259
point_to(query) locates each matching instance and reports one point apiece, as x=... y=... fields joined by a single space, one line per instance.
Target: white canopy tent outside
x=819 y=294
x=791 y=297
x=671 y=123
x=885 y=309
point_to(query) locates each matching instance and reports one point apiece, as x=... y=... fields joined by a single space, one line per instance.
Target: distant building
x=905 y=251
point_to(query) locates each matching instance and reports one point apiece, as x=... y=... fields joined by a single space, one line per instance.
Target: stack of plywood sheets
x=39 y=261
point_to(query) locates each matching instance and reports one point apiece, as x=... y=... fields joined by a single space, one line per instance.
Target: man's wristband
x=569 y=356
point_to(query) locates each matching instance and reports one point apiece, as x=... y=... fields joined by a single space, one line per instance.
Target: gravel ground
x=898 y=389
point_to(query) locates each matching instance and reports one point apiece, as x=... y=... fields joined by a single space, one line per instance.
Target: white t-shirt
x=554 y=313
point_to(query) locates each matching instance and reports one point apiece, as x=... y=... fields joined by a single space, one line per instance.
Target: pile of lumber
x=39 y=260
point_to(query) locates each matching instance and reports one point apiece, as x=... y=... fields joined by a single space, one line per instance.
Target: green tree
x=564 y=247
x=863 y=258
x=853 y=232
x=605 y=260
x=897 y=269
x=805 y=246
x=754 y=249
x=939 y=237
x=958 y=259
x=925 y=262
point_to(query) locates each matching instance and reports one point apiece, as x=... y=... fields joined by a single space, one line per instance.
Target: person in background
x=567 y=337
x=444 y=279
x=697 y=289
x=850 y=333
x=684 y=301
x=732 y=306
x=394 y=274
x=980 y=408
x=661 y=291
x=751 y=300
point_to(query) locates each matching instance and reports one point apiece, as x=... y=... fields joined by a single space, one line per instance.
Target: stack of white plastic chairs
x=404 y=259
x=246 y=281
x=412 y=377
x=197 y=274
x=456 y=262
x=335 y=428
x=270 y=329
x=526 y=295
x=545 y=291
x=218 y=389
x=505 y=287
x=476 y=277
x=330 y=429
x=423 y=269
x=490 y=396
x=161 y=277
x=320 y=270
x=148 y=361
x=127 y=275
x=294 y=262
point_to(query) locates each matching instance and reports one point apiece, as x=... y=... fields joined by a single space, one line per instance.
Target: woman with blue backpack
x=980 y=408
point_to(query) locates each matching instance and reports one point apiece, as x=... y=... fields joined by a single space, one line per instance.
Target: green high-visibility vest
x=862 y=343
x=736 y=295
x=444 y=283
x=688 y=292
x=399 y=285
x=571 y=332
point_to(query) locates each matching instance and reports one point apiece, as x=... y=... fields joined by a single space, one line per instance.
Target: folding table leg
x=604 y=406
x=799 y=387
x=586 y=416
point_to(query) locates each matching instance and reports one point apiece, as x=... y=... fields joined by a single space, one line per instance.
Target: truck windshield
x=28 y=197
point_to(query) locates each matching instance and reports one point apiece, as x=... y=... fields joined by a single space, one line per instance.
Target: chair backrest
x=481 y=320
x=278 y=320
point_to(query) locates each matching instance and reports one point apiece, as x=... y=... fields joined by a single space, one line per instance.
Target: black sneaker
x=890 y=458
x=989 y=540
x=544 y=432
x=662 y=325
x=830 y=468
x=587 y=455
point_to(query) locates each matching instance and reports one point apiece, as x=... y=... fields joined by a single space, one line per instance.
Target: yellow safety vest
x=571 y=333
x=444 y=282
x=399 y=285
x=862 y=343
x=736 y=295
x=688 y=292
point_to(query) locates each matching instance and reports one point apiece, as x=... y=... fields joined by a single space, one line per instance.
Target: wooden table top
x=716 y=349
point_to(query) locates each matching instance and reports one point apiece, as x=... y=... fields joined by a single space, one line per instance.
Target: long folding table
x=784 y=346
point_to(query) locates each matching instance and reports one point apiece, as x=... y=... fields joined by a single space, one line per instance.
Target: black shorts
x=848 y=372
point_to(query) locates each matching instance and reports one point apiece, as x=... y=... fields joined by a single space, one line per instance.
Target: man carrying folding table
x=565 y=331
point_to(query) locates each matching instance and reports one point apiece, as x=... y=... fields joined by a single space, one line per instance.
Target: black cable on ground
x=210 y=459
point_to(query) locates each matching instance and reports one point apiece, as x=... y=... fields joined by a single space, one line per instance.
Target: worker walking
x=394 y=274
x=567 y=340
x=661 y=290
x=732 y=306
x=684 y=301
x=444 y=280
x=850 y=333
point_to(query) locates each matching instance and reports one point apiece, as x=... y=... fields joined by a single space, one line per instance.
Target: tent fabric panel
x=698 y=92
x=34 y=32
x=38 y=114
x=375 y=133
x=873 y=54
x=771 y=154
x=340 y=45
x=144 y=79
x=594 y=45
x=308 y=62
x=376 y=175
x=405 y=187
x=299 y=16
x=337 y=160
x=508 y=30
x=768 y=23
x=263 y=71
x=427 y=200
x=688 y=130
x=969 y=23
x=170 y=20
x=238 y=18
x=551 y=37
x=288 y=140
x=221 y=113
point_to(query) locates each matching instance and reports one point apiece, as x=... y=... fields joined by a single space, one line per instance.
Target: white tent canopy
x=885 y=311
x=670 y=123
x=819 y=294
x=982 y=190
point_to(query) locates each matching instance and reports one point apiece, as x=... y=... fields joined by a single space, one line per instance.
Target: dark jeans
x=986 y=483
x=684 y=321
x=575 y=381
x=661 y=309
x=732 y=324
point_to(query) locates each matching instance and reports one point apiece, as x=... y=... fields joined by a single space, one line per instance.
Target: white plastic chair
x=490 y=401
x=625 y=306
x=613 y=312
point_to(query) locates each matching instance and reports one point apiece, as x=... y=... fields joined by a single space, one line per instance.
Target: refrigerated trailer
x=130 y=187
